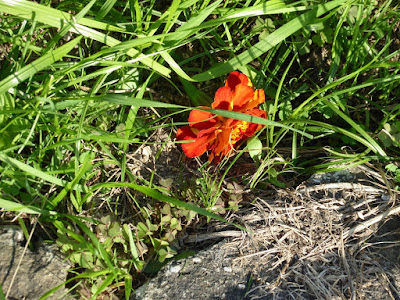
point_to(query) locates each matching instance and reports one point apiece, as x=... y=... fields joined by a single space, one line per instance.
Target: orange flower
x=220 y=135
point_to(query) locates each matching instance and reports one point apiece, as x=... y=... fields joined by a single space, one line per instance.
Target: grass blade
x=38 y=173
x=373 y=144
x=270 y=41
x=56 y=18
x=36 y=66
x=161 y=197
x=21 y=208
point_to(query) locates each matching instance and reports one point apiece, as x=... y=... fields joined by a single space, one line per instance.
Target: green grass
x=85 y=84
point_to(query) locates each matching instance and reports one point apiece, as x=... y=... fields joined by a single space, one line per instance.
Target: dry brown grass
x=324 y=241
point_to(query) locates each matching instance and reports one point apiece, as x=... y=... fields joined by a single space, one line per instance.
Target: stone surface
x=38 y=272
x=208 y=275
x=346 y=175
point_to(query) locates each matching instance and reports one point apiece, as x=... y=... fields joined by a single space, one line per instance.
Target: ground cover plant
x=92 y=93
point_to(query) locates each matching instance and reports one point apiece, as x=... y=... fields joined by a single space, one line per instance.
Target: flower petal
x=195 y=148
x=241 y=98
x=253 y=127
x=223 y=98
x=236 y=78
x=222 y=145
x=200 y=119
x=258 y=98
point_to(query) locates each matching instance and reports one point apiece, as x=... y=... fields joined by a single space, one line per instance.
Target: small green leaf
x=387 y=127
x=167 y=182
x=142 y=230
x=352 y=15
x=254 y=147
x=385 y=139
x=166 y=210
x=165 y=219
x=317 y=39
x=114 y=230
x=303 y=45
x=285 y=110
x=263 y=35
x=265 y=26
x=165 y=253
x=176 y=224
x=392 y=168
x=152 y=227
x=393 y=129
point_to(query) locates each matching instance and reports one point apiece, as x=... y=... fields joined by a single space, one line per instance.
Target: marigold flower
x=220 y=135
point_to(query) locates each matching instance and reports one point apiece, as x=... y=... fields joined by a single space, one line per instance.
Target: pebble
x=175 y=269
x=197 y=260
x=228 y=269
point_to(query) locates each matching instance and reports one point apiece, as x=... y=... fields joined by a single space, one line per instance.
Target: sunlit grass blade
x=264 y=8
x=372 y=143
x=87 y=274
x=8 y=205
x=174 y=66
x=38 y=173
x=353 y=136
x=253 y=119
x=28 y=9
x=161 y=197
x=70 y=186
x=105 y=8
x=55 y=18
x=190 y=26
x=270 y=41
x=36 y=66
x=107 y=282
x=126 y=100
x=64 y=30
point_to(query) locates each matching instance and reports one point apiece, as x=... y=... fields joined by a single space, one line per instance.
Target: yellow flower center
x=237 y=132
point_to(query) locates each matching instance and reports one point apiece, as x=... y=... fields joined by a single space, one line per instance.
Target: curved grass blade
x=56 y=18
x=350 y=134
x=98 y=246
x=375 y=147
x=28 y=209
x=253 y=119
x=190 y=26
x=64 y=30
x=126 y=100
x=25 y=9
x=36 y=66
x=40 y=174
x=264 y=8
x=270 y=41
x=91 y=274
x=161 y=197
x=106 y=7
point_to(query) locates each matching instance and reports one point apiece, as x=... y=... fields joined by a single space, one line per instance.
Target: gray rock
x=210 y=274
x=346 y=175
x=39 y=271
